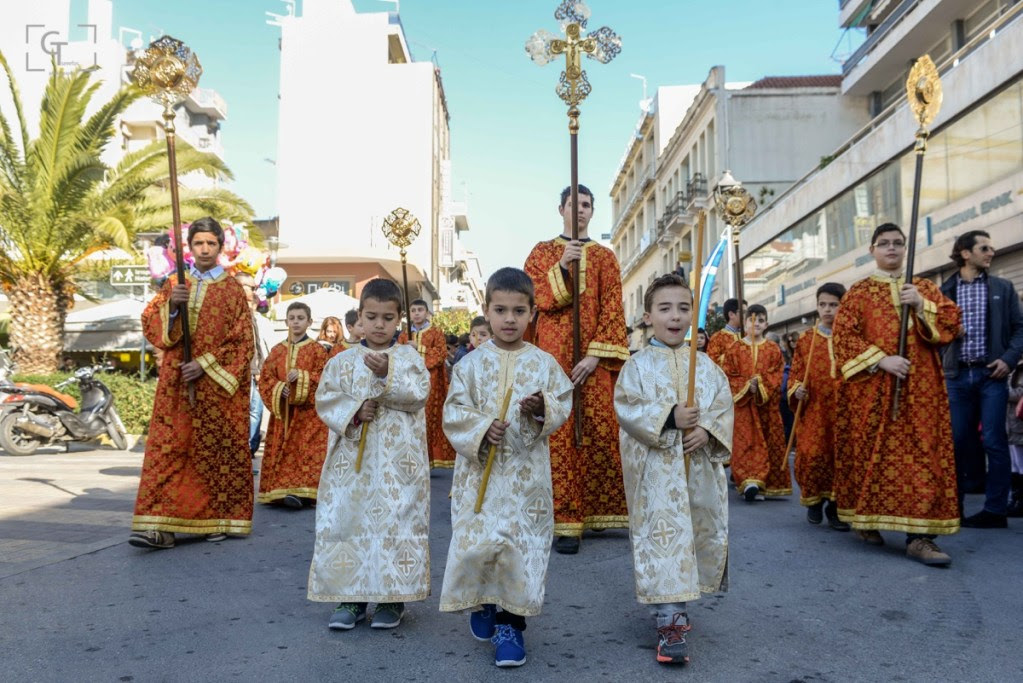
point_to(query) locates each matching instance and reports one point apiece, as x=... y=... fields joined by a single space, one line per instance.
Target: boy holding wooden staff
x=502 y=513
x=678 y=505
x=372 y=522
x=813 y=393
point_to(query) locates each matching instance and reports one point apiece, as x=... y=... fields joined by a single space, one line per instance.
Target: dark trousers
x=977 y=400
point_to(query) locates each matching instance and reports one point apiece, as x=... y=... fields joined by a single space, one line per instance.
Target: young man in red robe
x=723 y=339
x=433 y=347
x=895 y=475
x=296 y=441
x=754 y=367
x=587 y=476
x=197 y=473
x=815 y=433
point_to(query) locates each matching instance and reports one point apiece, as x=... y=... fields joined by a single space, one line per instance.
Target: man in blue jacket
x=976 y=365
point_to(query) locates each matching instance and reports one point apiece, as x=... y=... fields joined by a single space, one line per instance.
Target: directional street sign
x=129 y=276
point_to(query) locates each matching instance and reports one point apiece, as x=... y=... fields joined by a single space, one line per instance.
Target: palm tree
x=60 y=203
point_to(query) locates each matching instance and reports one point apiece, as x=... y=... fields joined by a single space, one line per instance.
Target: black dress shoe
x=815 y=513
x=831 y=510
x=986 y=520
x=566 y=545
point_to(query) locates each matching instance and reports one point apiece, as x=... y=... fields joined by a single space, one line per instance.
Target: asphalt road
x=806 y=603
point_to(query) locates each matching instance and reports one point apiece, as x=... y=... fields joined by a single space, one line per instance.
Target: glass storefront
x=978 y=149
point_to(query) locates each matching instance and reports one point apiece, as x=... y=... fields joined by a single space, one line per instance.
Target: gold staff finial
x=602 y=45
x=168 y=71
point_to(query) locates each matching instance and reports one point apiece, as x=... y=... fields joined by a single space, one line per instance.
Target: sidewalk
x=56 y=505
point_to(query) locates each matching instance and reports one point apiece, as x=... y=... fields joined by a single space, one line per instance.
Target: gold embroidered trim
x=562 y=295
x=443 y=464
x=190 y=526
x=929 y=317
x=813 y=500
x=301 y=394
x=278 y=393
x=908 y=525
x=208 y=362
x=166 y=326
x=775 y=493
x=277 y=494
x=759 y=483
x=871 y=356
x=607 y=351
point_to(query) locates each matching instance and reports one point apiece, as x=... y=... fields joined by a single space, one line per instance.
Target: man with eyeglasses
x=895 y=475
x=976 y=364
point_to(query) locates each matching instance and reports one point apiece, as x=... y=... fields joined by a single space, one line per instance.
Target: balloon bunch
x=236 y=256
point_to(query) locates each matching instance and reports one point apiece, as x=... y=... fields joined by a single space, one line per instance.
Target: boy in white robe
x=373 y=511
x=678 y=506
x=498 y=556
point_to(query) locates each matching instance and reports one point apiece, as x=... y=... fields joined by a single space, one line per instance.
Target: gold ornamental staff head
x=168 y=71
x=602 y=45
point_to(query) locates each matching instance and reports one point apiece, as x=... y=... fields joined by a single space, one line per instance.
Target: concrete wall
x=365 y=125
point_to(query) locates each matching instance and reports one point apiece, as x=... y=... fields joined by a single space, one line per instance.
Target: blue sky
x=508 y=128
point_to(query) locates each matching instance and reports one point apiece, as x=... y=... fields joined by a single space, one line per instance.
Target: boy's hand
x=367 y=411
x=377 y=363
x=191 y=371
x=292 y=376
x=286 y=392
x=533 y=405
x=754 y=385
x=585 y=368
x=573 y=252
x=801 y=393
x=496 y=431
x=695 y=439
x=179 y=294
x=909 y=294
x=686 y=418
x=895 y=365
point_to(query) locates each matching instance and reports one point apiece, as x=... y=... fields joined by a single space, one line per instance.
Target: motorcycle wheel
x=115 y=430
x=15 y=441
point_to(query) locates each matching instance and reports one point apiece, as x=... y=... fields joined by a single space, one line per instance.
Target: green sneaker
x=347 y=615
x=388 y=615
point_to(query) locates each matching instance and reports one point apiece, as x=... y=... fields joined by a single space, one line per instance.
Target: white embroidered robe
x=500 y=555
x=679 y=528
x=372 y=528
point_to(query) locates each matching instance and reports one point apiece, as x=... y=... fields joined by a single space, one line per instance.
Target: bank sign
x=981 y=209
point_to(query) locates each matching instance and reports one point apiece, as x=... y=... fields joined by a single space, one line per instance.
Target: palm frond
x=16 y=98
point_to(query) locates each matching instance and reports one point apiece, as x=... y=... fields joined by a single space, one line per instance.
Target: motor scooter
x=37 y=415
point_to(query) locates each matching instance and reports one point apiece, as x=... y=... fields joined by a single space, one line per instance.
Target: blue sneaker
x=510 y=649
x=481 y=622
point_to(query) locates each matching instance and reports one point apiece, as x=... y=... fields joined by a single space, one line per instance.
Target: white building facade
x=767 y=133
x=819 y=230
x=353 y=100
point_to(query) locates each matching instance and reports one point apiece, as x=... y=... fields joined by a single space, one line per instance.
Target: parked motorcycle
x=37 y=415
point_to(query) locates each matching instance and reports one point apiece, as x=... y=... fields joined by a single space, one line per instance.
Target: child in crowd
x=498 y=557
x=754 y=367
x=296 y=439
x=354 y=325
x=815 y=433
x=373 y=507
x=673 y=460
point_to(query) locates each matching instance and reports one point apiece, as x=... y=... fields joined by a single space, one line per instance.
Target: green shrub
x=132 y=398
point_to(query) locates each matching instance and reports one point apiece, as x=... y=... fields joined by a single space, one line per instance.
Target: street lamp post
x=737 y=208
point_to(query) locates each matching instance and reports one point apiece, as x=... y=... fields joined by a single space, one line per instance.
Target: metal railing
x=883 y=29
x=696 y=188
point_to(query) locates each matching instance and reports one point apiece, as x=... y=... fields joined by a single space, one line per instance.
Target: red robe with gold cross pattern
x=894 y=475
x=433 y=349
x=758 y=439
x=720 y=342
x=588 y=489
x=815 y=433
x=197 y=473
x=296 y=438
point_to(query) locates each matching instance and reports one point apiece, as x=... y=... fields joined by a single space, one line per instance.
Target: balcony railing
x=878 y=35
x=696 y=188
